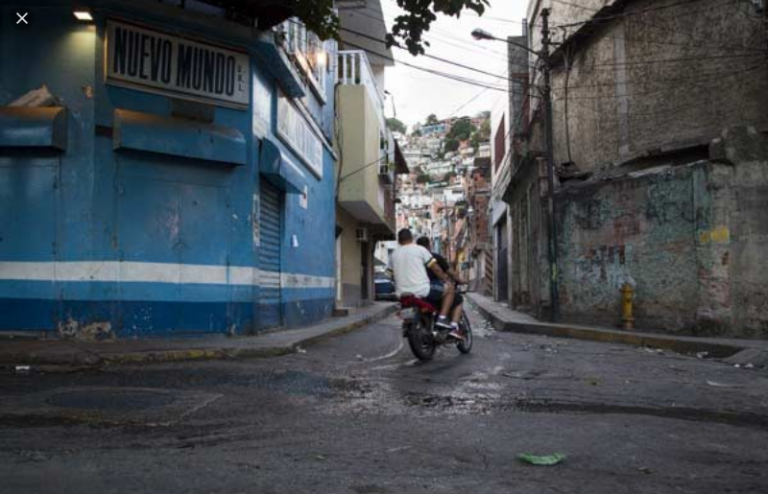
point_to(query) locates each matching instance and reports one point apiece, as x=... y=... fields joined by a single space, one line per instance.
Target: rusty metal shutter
x=270 y=218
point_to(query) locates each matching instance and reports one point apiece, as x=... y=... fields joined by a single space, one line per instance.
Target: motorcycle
x=419 y=318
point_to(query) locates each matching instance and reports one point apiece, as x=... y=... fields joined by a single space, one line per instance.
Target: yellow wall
x=358 y=138
x=350 y=249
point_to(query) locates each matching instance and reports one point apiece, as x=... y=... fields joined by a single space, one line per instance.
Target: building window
x=499 y=145
x=310 y=55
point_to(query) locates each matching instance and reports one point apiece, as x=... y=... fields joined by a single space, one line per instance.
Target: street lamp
x=482 y=34
x=479 y=34
x=546 y=93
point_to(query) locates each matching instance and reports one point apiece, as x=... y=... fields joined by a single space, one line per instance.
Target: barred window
x=310 y=54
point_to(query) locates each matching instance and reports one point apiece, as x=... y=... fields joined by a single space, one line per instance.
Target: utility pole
x=547 y=96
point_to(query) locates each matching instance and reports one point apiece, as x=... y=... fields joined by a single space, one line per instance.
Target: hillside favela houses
x=660 y=161
x=445 y=197
x=179 y=164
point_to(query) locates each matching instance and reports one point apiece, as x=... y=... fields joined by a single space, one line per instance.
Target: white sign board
x=157 y=62
x=298 y=134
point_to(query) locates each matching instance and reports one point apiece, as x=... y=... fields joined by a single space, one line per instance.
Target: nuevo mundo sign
x=168 y=64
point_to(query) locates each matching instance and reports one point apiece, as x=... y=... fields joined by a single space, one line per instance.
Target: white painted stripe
x=31 y=271
x=156 y=272
x=241 y=275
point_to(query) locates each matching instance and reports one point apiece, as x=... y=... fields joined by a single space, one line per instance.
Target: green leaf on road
x=546 y=460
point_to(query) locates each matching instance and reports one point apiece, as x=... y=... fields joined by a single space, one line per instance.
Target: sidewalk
x=733 y=351
x=75 y=354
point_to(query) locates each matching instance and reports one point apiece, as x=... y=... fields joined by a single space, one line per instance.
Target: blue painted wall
x=114 y=211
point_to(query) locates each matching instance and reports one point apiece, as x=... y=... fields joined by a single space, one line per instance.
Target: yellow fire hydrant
x=627 y=295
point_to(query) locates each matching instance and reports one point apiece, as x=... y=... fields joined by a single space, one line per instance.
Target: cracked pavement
x=357 y=414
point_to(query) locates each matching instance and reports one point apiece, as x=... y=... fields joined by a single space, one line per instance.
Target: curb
x=81 y=359
x=664 y=342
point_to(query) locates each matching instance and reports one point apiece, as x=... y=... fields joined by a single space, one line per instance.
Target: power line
x=474 y=49
x=433 y=57
x=362 y=168
x=676 y=60
x=465 y=104
x=695 y=76
x=379 y=160
x=696 y=82
x=468 y=42
x=436 y=36
x=446 y=75
x=454 y=77
x=571 y=4
x=666 y=29
x=628 y=14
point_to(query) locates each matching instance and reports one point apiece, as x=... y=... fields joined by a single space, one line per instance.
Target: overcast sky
x=416 y=94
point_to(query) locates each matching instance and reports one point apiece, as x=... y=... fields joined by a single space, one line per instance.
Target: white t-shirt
x=409 y=263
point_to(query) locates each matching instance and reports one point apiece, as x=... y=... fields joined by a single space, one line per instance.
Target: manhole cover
x=101 y=399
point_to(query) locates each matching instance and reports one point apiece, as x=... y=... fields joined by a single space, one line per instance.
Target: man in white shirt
x=409 y=263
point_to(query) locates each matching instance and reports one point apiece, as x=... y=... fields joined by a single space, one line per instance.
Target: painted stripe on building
x=154 y=272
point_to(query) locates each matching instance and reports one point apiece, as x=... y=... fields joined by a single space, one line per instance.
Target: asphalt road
x=357 y=414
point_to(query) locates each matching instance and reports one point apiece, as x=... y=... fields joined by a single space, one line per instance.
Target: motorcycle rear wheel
x=421 y=342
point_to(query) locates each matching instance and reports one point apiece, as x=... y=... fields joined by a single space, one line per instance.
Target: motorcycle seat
x=411 y=300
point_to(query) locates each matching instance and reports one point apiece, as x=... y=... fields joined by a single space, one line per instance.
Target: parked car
x=385 y=287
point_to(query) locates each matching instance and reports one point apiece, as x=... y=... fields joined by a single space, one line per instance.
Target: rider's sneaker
x=456 y=333
x=443 y=323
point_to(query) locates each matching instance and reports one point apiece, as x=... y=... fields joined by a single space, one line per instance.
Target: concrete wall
x=351 y=260
x=359 y=139
x=87 y=234
x=649 y=81
x=691 y=240
x=529 y=291
x=733 y=235
x=636 y=230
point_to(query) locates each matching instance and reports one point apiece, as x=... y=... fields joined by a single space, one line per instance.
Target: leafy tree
x=461 y=130
x=451 y=145
x=422 y=179
x=319 y=16
x=419 y=14
x=416 y=133
x=485 y=130
x=474 y=141
x=396 y=125
x=432 y=119
x=484 y=114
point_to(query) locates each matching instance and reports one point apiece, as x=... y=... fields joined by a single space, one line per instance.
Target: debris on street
x=541 y=460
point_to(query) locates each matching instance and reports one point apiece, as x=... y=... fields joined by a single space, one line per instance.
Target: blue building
x=164 y=171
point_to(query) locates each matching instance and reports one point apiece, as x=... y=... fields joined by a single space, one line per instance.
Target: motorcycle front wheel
x=465 y=345
x=421 y=342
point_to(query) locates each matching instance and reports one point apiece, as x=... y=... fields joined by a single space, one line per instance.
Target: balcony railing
x=355 y=70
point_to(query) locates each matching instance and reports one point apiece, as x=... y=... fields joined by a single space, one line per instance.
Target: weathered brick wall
x=733 y=236
x=666 y=76
x=637 y=230
x=693 y=240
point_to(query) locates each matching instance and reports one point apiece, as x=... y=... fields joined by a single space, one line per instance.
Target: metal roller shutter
x=270 y=301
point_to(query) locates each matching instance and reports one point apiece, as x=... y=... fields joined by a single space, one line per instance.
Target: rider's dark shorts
x=435 y=296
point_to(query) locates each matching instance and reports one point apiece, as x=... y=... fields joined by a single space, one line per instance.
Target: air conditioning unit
x=361 y=234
